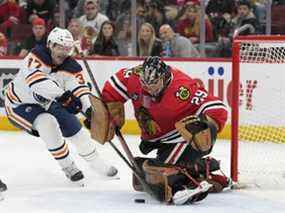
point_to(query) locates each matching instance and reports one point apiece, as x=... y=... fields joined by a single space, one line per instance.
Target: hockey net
x=258 y=75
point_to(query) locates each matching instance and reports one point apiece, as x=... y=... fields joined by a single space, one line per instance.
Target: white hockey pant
x=49 y=131
x=87 y=150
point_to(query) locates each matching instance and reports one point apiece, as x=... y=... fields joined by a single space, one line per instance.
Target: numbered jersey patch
x=199 y=97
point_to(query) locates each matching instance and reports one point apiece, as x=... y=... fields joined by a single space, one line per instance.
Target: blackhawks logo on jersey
x=183 y=93
x=146 y=122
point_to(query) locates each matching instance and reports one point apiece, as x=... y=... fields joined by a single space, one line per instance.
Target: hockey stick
x=117 y=130
x=131 y=163
x=116 y=149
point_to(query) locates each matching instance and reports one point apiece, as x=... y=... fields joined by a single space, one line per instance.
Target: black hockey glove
x=71 y=103
x=87 y=120
x=146 y=146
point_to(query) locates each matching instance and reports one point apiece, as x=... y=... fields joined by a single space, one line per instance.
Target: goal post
x=262 y=119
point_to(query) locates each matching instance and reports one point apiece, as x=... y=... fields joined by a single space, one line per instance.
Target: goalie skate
x=188 y=195
x=3 y=186
x=74 y=174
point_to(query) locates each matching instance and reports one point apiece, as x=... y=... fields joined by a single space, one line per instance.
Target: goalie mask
x=155 y=76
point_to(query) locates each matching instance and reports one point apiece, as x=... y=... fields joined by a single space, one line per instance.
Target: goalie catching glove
x=200 y=132
x=101 y=126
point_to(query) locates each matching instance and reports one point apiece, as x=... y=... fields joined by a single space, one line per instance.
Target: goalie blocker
x=103 y=120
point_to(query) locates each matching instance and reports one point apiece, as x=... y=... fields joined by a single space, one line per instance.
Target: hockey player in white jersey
x=44 y=97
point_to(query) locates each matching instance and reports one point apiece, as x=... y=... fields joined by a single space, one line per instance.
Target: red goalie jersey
x=182 y=97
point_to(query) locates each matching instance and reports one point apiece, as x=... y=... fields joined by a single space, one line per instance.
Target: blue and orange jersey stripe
x=11 y=94
x=35 y=77
x=81 y=90
x=60 y=152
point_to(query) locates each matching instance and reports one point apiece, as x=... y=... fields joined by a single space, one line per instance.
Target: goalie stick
x=131 y=162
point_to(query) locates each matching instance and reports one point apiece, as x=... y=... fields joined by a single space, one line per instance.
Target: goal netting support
x=258 y=124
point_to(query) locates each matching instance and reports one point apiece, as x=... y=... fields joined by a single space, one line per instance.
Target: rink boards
x=214 y=74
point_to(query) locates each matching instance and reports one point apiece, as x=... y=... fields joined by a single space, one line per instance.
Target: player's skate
x=74 y=174
x=101 y=167
x=191 y=195
x=3 y=186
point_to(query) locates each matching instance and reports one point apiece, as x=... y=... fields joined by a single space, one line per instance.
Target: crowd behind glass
x=167 y=28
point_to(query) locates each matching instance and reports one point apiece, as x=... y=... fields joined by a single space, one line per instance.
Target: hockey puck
x=139 y=200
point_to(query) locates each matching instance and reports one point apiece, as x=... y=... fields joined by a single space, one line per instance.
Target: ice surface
x=36 y=184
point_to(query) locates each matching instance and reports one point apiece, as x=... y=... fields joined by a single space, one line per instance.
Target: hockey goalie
x=178 y=119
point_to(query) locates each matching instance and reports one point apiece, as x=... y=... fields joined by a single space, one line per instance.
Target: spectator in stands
x=117 y=7
x=259 y=10
x=171 y=12
x=156 y=15
x=216 y=8
x=92 y=17
x=79 y=9
x=56 y=19
x=41 y=9
x=105 y=43
x=148 y=44
x=124 y=36
x=140 y=15
x=244 y=16
x=220 y=13
x=175 y=45
x=38 y=37
x=76 y=29
x=3 y=44
x=88 y=40
x=189 y=25
x=9 y=15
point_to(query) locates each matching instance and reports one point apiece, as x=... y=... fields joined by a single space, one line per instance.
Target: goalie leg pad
x=158 y=178
x=206 y=169
x=136 y=183
x=173 y=184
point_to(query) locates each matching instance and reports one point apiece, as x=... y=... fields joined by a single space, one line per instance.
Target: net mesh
x=262 y=112
x=262 y=52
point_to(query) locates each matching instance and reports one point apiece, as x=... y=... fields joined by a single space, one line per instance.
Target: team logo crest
x=183 y=93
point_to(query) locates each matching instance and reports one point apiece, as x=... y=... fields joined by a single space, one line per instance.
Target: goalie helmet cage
x=261 y=118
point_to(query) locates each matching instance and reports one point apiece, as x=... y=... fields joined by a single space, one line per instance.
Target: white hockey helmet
x=60 y=36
